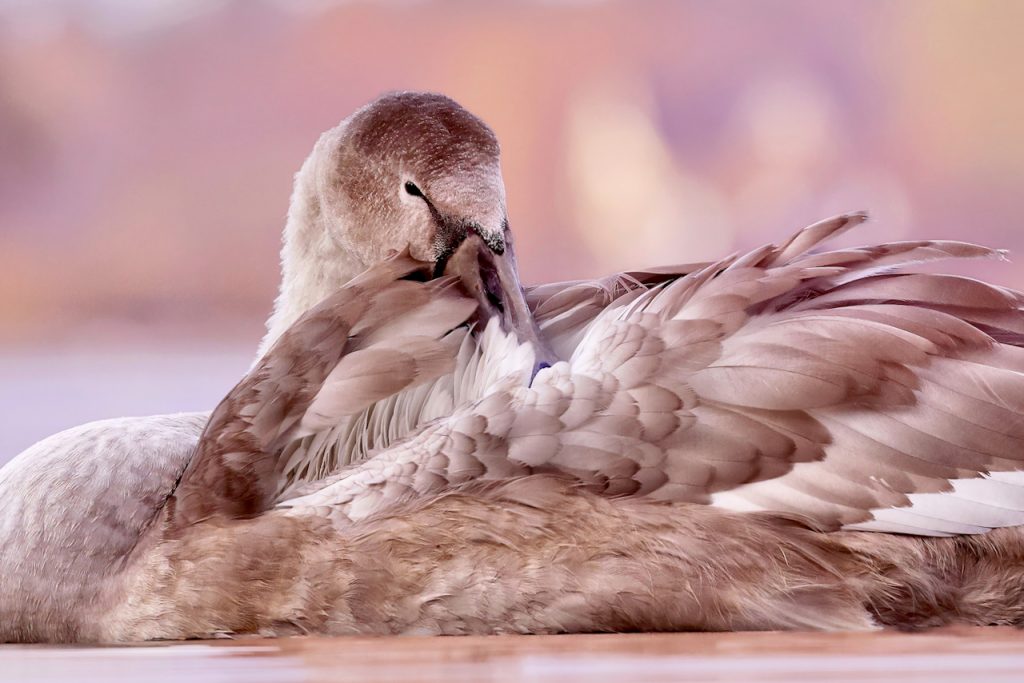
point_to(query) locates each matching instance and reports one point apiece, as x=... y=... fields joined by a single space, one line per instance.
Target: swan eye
x=412 y=189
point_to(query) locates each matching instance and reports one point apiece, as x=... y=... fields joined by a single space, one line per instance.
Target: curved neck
x=312 y=264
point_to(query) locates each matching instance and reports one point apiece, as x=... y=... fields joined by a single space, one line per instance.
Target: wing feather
x=331 y=363
x=830 y=385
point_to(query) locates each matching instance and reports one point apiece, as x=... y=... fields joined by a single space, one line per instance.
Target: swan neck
x=313 y=265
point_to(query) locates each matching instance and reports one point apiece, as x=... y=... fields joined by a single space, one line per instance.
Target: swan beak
x=493 y=280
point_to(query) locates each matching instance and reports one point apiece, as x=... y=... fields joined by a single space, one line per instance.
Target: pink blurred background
x=147 y=149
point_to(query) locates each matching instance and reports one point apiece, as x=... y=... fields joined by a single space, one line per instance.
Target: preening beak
x=492 y=279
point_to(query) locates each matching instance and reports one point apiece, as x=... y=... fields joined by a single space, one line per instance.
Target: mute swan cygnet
x=780 y=439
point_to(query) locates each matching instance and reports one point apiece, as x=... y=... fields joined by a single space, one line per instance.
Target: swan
x=744 y=419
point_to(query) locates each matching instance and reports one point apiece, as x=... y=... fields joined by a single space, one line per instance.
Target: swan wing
x=833 y=385
x=563 y=311
x=379 y=335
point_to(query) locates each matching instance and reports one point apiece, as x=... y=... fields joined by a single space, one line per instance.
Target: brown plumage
x=808 y=384
x=346 y=354
x=695 y=457
x=531 y=554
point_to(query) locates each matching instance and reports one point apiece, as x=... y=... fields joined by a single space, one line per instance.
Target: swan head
x=409 y=171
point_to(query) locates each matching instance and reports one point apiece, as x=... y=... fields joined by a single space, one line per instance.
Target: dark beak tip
x=536 y=370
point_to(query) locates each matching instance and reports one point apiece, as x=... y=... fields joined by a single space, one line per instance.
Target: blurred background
x=147 y=149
